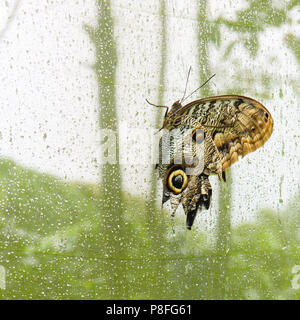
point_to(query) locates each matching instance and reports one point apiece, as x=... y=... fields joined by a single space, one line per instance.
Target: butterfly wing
x=232 y=126
x=192 y=189
x=238 y=125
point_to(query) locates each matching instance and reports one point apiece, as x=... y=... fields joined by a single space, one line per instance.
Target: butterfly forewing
x=238 y=125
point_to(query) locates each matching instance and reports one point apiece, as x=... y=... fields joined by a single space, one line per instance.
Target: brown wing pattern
x=238 y=125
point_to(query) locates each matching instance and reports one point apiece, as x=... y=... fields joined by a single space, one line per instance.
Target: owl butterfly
x=229 y=126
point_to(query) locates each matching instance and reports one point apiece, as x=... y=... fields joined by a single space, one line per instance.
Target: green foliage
x=114 y=236
x=161 y=89
x=293 y=43
x=249 y=22
x=53 y=233
x=207 y=32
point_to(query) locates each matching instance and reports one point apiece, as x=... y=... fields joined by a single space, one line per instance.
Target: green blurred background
x=62 y=240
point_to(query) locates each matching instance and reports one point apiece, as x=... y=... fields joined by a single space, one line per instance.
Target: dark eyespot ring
x=177 y=181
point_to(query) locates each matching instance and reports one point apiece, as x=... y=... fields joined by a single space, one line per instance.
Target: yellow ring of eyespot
x=174 y=174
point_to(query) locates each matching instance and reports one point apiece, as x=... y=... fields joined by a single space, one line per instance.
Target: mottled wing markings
x=230 y=121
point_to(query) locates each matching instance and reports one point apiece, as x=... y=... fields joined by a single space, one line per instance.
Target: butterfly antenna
x=187 y=80
x=202 y=85
x=156 y=105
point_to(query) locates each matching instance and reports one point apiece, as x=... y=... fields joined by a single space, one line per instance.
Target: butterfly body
x=231 y=126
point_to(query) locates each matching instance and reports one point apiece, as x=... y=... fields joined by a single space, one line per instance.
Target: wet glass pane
x=80 y=198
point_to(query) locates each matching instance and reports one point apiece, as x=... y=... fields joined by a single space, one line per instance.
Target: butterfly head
x=171 y=118
x=175 y=107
